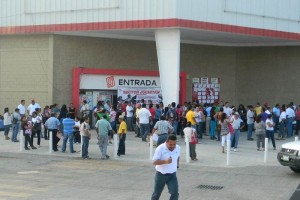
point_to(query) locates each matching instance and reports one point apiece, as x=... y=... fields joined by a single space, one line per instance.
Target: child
x=122 y=136
x=27 y=130
x=86 y=136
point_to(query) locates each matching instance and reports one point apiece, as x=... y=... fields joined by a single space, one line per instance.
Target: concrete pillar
x=168 y=54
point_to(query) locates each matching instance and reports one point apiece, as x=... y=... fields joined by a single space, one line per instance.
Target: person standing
x=190 y=117
x=224 y=130
x=16 y=122
x=144 y=117
x=199 y=117
x=250 y=122
x=53 y=124
x=26 y=126
x=270 y=130
x=237 y=125
x=22 y=108
x=31 y=108
x=72 y=111
x=103 y=128
x=68 y=125
x=45 y=116
x=122 y=136
x=166 y=161
x=162 y=128
x=260 y=132
x=290 y=116
x=297 y=117
x=36 y=127
x=86 y=136
x=188 y=130
x=129 y=116
x=113 y=116
x=173 y=117
x=7 y=123
x=85 y=109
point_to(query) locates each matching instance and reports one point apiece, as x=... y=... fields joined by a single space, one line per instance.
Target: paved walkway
x=208 y=152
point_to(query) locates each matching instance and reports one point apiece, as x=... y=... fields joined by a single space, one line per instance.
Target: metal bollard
x=21 y=142
x=50 y=141
x=151 y=147
x=228 y=152
x=296 y=138
x=187 y=150
x=81 y=143
x=266 y=149
x=115 y=145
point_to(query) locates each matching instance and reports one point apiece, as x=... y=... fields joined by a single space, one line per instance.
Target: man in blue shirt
x=68 y=125
x=53 y=124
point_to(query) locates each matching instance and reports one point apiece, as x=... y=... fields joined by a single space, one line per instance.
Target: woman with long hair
x=224 y=130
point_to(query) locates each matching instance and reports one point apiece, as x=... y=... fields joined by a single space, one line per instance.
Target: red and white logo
x=110 y=81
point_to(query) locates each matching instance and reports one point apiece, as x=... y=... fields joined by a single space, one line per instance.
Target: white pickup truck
x=289 y=155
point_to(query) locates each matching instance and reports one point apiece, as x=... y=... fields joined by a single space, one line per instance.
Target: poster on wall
x=135 y=94
x=206 y=89
x=89 y=99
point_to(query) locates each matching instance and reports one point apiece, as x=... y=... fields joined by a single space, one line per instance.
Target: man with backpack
x=173 y=117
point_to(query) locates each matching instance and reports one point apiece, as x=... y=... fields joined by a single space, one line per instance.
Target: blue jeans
x=145 y=129
x=250 y=130
x=165 y=179
x=113 y=125
x=67 y=136
x=212 y=128
x=162 y=138
x=129 y=122
x=236 y=137
x=289 y=126
x=199 y=129
x=175 y=126
x=270 y=135
x=16 y=128
x=85 y=146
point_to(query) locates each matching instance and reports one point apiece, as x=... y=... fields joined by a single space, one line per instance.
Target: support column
x=168 y=54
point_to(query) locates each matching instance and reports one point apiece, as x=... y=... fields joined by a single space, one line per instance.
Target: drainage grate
x=210 y=187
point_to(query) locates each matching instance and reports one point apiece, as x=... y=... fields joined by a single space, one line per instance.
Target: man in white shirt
x=129 y=116
x=250 y=122
x=227 y=109
x=22 y=108
x=166 y=161
x=85 y=109
x=31 y=108
x=144 y=117
x=237 y=125
x=290 y=116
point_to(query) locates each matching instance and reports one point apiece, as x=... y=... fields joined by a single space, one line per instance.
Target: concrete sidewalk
x=208 y=152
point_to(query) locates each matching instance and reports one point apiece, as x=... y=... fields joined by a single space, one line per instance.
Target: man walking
x=53 y=124
x=103 y=128
x=166 y=161
x=68 y=125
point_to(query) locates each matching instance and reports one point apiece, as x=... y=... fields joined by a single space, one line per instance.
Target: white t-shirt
x=31 y=108
x=228 y=111
x=198 y=116
x=129 y=111
x=269 y=128
x=163 y=153
x=22 y=109
x=236 y=124
x=282 y=116
x=290 y=112
x=144 y=115
x=7 y=119
x=188 y=132
x=250 y=117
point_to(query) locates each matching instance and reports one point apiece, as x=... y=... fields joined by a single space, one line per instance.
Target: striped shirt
x=68 y=125
x=162 y=127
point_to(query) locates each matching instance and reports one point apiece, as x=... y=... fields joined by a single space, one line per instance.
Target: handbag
x=194 y=139
x=231 y=131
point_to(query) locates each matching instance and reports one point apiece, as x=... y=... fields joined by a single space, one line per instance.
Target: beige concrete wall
x=24 y=69
x=268 y=74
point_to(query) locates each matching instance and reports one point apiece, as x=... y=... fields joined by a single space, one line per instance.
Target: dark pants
x=85 y=146
x=145 y=129
x=27 y=140
x=193 y=154
x=129 y=122
x=165 y=179
x=297 y=127
x=38 y=133
x=77 y=137
x=55 y=139
x=270 y=135
x=121 y=149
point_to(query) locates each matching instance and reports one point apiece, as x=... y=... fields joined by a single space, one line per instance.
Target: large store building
x=61 y=51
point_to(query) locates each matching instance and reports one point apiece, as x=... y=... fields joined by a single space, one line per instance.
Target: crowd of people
x=219 y=121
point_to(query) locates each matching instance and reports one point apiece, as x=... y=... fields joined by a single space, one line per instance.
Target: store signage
x=112 y=82
x=135 y=94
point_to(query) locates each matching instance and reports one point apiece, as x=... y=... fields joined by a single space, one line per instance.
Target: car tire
x=294 y=169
